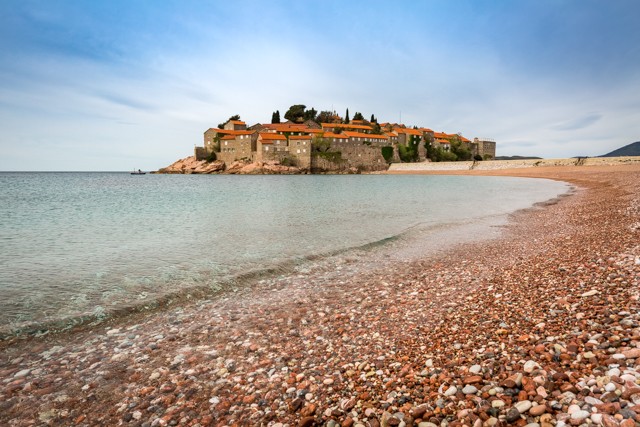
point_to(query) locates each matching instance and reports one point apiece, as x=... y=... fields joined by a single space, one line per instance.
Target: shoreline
x=377 y=346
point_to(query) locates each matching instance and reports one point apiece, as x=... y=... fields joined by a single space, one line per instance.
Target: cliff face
x=189 y=165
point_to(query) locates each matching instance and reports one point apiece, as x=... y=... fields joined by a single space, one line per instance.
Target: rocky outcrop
x=189 y=165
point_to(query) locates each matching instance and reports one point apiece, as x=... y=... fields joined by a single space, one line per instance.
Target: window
x=298 y=151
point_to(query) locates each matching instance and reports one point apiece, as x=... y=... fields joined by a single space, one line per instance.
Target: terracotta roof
x=335 y=135
x=271 y=137
x=235 y=132
x=228 y=137
x=351 y=134
x=441 y=135
x=425 y=130
x=346 y=126
x=237 y=122
x=409 y=131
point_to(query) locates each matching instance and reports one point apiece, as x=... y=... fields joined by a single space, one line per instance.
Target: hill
x=632 y=149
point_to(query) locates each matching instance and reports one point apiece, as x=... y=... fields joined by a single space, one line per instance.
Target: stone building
x=346 y=145
x=484 y=147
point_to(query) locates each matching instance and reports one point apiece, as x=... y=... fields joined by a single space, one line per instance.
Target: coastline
x=378 y=346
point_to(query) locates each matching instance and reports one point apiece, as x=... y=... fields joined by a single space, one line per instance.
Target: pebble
x=539 y=328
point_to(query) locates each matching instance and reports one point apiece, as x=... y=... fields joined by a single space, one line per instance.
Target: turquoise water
x=76 y=245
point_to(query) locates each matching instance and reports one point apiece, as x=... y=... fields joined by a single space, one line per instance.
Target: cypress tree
x=275 y=117
x=346 y=117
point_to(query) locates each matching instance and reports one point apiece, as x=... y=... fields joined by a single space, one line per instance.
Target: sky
x=123 y=84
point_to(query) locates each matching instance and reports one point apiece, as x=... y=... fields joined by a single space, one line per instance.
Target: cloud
x=577 y=123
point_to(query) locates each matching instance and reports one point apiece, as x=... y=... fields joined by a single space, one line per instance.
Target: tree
x=320 y=143
x=324 y=117
x=234 y=117
x=459 y=148
x=295 y=113
x=310 y=114
x=387 y=153
x=373 y=119
x=376 y=129
x=346 y=117
x=275 y=117
x=358 y=116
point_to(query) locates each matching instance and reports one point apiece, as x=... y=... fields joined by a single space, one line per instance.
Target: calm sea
x=82 y=245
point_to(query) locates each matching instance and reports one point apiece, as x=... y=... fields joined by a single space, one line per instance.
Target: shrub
x=211 y=157
x=387 y=153
x=477 y=157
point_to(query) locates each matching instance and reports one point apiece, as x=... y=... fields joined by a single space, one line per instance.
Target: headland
x=540 y=326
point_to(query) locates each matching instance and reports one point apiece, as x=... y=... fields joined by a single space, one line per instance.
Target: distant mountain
x=516 y=158
x=632 y=149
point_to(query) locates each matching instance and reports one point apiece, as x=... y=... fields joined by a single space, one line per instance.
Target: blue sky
x=116 y=85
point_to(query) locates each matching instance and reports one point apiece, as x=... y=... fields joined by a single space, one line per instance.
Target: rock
x=469 y=389
x=580 y=415
x=512 y=415
x=590 y=293
x=523 y=406
x=537 y=410
x=634 y=353
x=451 y=391
x=21 y=374
x=529 y=366
x=307 y=422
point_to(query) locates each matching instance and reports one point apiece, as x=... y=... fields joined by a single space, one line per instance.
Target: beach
x=539 y=326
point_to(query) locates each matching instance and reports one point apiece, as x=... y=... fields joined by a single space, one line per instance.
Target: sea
x=78 y=247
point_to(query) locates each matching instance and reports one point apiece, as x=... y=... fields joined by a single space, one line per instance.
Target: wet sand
x=538 y=326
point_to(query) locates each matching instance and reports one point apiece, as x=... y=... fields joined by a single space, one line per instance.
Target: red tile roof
x=346 y=126
x=271 y=137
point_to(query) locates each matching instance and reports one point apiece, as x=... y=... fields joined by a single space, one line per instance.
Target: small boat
x=138 y=172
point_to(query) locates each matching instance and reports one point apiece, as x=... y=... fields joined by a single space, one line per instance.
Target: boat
x=138 y=172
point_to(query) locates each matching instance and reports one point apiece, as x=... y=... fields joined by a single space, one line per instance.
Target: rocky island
x=311 y=142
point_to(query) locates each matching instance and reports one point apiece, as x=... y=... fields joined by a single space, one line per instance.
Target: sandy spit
x=538 y=327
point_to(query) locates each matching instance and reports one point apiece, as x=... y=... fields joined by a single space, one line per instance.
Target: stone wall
x=200 y=153
x=511 y=164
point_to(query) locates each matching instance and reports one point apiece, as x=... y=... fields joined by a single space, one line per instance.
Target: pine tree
x=346 y=117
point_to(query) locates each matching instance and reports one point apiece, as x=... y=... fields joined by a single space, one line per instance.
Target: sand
x=540 y=326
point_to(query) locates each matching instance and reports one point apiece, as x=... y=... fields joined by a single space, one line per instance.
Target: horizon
x=122 y=85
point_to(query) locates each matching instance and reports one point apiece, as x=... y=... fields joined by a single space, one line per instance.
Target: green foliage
x=332 y=156
x=373 y=119
x=211 y=157
x=320 y=144
x=298 y=113
x=324 y=117
x=287 y=161
x=295 y=113
x=460 y=149
x=358 y=116
x=409 y=152
x=234 y=117
x=387 y=153
x=487 y=157
x=376 y=129
x=346 y=117
x=477 y=158
x=310 y=114
x=448 y=156
x=275 y=117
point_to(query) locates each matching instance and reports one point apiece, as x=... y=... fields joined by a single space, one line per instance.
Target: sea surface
x=79 y=246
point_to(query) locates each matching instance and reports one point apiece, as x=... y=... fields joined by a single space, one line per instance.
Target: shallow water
x=76 y=245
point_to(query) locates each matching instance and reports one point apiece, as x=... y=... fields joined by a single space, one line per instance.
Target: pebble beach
x=539 y=327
